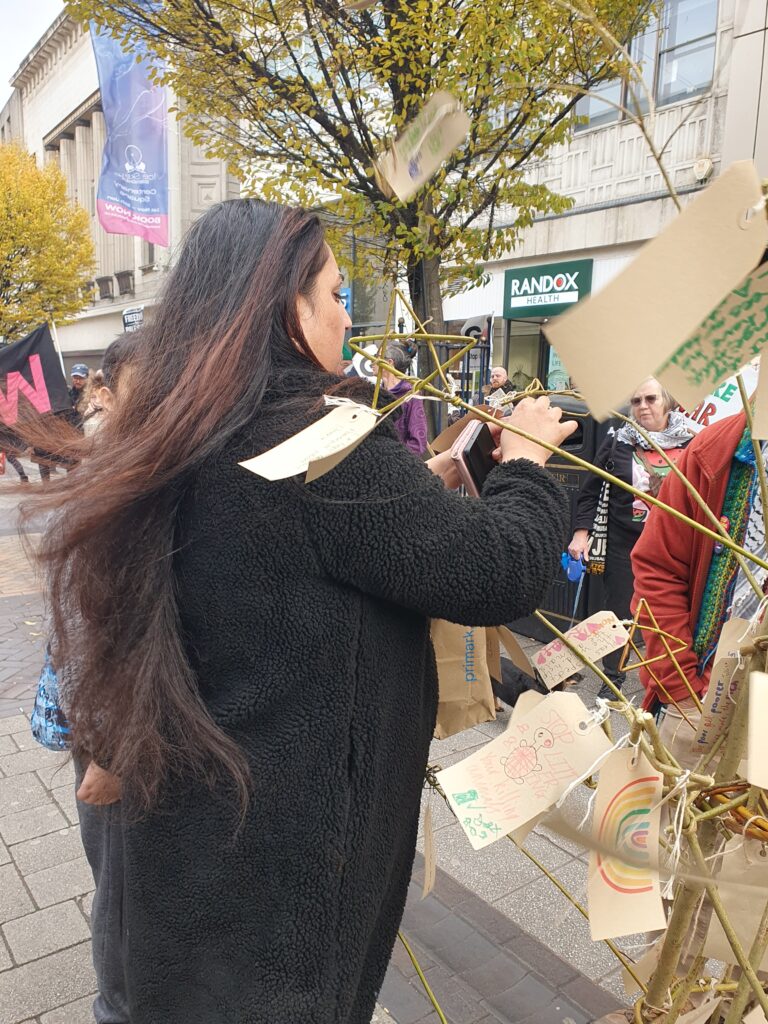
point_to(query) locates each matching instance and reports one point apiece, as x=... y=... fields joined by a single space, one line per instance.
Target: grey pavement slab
x=62 y=882
x=46 y=984
x=47 y=851
x=20 y=794
x=65 y=798
x=15 y=900
x=79 y=1012
x=37 y=821
x=45 y=931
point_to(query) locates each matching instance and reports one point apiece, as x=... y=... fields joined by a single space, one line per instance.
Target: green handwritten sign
x=733 y=334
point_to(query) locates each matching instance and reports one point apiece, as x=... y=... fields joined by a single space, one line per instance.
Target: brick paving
x=488 y=937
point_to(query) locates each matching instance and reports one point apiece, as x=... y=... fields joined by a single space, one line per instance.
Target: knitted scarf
x=723 y=569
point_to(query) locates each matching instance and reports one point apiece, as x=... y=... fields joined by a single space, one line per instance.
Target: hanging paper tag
x=425 y=143
x=335 y=434
x=718 y=705
x=596 y=636
x=526 y=702
x=516 y=653
x=760 y=408
x=755 y=1016
x=734 y=635
x=623 y=890
x=430 y=860
x=701 y=1013
x=733 y=333
x=743 y=902
x=524 y=771
x=643 y=969
x=667 y=290
x=757 y=749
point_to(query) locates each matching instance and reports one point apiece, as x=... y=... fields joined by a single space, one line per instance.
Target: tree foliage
x=300 y=97
x=46 y=250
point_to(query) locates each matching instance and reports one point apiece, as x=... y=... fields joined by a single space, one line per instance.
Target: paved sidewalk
x=499 y=943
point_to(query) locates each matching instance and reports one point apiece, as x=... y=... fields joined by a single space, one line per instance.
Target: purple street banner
x=132 y=197
x=30 y=368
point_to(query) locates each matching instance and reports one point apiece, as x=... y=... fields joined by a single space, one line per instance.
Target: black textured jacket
x=306 y=610
x=616 y=457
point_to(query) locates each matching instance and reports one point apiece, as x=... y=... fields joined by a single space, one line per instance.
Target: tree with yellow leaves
x=46 y=250
x=301 y=96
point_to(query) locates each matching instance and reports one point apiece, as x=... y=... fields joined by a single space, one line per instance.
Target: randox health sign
x=546 y=289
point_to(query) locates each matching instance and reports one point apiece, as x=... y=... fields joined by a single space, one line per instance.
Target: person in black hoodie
x=251 y=658
x=608 y=520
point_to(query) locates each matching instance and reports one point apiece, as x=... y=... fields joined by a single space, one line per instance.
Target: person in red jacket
x=691 y=583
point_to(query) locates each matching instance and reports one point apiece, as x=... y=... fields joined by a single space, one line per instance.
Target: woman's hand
x=579 y=546
x=99 y=786
x=538 y=417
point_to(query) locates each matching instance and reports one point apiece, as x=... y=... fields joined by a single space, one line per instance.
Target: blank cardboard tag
x=623 y=890
x=430 y=860
x=701 y=1013
x=525 y=770
x=718 y=705
x=760 y=408
x=743 y=903
x=643 y=969
x=600 y=634
x=734 y=634
x=755 y=1016
x=326 y=440
x=757 y=748
x=733 y=333
x=517 y=655
x=425 y=143
x=611 y=341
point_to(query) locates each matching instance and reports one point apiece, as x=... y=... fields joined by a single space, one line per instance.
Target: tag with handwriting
x=600 y=634
x=424 y=145
x=324 y=442
x=667 y=291
x=718 y=706
x=757 y=750
x=525 y=770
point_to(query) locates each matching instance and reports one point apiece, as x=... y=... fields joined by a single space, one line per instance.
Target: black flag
x=30 y=370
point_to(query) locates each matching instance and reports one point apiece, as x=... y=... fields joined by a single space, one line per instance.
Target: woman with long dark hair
x=252 y=658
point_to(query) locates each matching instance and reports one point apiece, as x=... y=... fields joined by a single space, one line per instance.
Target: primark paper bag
x=465 y=694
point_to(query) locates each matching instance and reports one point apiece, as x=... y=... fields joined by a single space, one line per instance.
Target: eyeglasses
x=649 y=399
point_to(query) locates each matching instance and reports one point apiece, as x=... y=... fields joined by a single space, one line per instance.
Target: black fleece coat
x=306 y=609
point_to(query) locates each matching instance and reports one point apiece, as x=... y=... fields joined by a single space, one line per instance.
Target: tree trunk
x=426 y=296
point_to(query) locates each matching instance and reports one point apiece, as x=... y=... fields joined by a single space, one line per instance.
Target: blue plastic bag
x=48 y=721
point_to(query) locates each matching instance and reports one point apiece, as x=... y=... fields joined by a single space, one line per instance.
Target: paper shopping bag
x=465 y=694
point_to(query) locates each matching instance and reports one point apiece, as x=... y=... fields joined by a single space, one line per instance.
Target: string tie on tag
x=677 y=830
x=342 y=400
x=618 y=745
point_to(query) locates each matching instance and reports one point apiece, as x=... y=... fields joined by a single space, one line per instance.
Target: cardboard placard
x=323 y=443
x=525 y=770
x=600 y=634
x=613 y=340
x=623 y=890
x=465 y=694
x=733 y=333
x=757 y=749
x=425 y=144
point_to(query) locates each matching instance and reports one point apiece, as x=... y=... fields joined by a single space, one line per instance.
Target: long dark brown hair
x=226 y=326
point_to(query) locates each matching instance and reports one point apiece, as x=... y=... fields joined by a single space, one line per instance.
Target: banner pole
x=55 y=336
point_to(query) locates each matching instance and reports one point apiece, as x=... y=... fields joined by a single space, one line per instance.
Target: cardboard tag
x=757 y=749
x=718 y=706
x=600 y=634
x=733 y=333
x=623 y=890
x=760 y=408
x=665 y=293
x=701 y=1013
x=525 y=770
x=526 y=702
x=425 y=143
x=734 y=635
x=743 y=903
x=517 y=655
x=643 y=969
x=327 y=440
x=755 y=1016
x=430 y=860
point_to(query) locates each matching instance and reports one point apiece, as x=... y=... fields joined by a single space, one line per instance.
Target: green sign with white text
x=546 y=289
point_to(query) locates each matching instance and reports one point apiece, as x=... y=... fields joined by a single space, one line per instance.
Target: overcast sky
x=23 y=23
